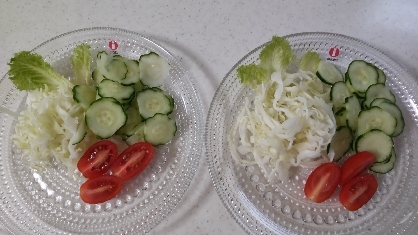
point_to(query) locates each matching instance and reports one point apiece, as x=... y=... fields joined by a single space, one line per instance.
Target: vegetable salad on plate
x=290 y=121
x=306 y=113
x=103 y=123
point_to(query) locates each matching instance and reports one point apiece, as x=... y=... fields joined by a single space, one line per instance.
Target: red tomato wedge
x=358 y=191
x=100 y=189
x=322 y=182
x=133 y=160
x=98 y=159
x=356 y=165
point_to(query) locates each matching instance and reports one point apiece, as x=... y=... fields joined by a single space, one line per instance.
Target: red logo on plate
x=334 y=52
x=113 y=45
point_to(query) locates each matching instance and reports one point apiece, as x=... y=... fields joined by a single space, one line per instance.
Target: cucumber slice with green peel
x=153 y=69
x=382 y=77
x=166 y=94
x=139 y=87
x=111 y=68
x=159 y=129
x=353 y=91
x=122 y=93
x=384 y=168
x=339 y=92
x=376 y=118
x=138 y=135
x=394 y=110
x=133 y=119
x=376 y=142
x=132 y=75
x=361 y=75
x=84 y=95
x=105 y=116
x=97 y=76
x=328 y=73
x=353 y=108
x=378 y=91
x=80 y=133
x=152 y=101
x=116 y=70
x=341 y=142
x=378 y=101
x=341 y=117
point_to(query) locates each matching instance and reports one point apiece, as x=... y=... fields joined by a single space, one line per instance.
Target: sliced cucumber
x=341 y=117
x=133 y=119
x=328 y=73
x=109 y=88
x=139 y=86
x=111 y=68
x=132 y=75
x=361 y=75
x=394 y=110
x=376 y=142
x=352 y=105
x=97 y=76
x=80 y=133
x=382 y=77
x=339 y=92
x=152 y=101
x=153 y=69
x=166 y=94
x=378 y=101
x=384 y=168
x=341 y=142
x=84 y=95
x=378 y=91
x=159 y=129
x=138 y=135
x=105 y=116
x=353 y=91
x=376 y=118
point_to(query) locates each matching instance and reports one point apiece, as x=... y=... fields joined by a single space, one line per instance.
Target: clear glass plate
x=282 y=208
x=48 y=202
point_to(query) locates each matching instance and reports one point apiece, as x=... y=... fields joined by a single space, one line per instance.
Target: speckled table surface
x=209 y=37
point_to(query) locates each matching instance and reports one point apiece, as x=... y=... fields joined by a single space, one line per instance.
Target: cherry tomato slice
x=355 y=165
x=358 y=191
x=133 y=160
x=100 y=189
x=322 y=182
x=98 y=159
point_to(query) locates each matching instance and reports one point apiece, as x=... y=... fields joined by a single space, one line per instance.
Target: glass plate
x=282 y=208
x=48 y=202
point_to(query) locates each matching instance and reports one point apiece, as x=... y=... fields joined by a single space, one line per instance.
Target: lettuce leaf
x=310 y=61
x=277 y=55
x=252 y=75
x=80 y=59
x=29 y=71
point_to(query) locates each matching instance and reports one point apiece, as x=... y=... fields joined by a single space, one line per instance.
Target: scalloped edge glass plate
x=48 y=202
x=282 y=208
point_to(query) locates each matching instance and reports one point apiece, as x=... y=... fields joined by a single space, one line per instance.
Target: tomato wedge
x=100 y=189
x=355 y=165
x=133 y=160
x=358 y=191
x=322 y=182
x=98 y=159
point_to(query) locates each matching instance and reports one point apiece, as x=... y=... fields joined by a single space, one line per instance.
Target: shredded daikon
x=289 y=123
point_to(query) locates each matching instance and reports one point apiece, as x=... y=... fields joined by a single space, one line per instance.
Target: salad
x=103 y=123
x=307 y=113
x=290 y=121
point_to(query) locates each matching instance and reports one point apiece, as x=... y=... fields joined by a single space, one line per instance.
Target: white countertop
x=210 y=37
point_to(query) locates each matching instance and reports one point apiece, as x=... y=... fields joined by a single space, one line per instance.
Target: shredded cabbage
x=289 y=123
x=45 y=130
